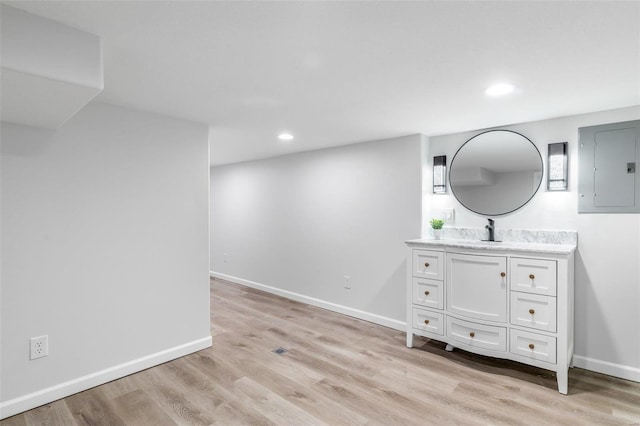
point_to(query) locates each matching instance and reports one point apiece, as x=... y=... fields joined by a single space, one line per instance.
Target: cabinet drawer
x=431 y=322
x=533 y=276
x=533 y=346
x=477 y=335
x=428 y=264
x=533 y=310
x=428 y=293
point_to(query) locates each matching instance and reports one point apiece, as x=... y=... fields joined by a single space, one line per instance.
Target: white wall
x=608 y=257
x=300 y=223
x=104 y=249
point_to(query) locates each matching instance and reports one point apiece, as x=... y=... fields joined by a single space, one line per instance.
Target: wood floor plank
x=272 y=405
x=293 y=383
x=229 y=414
x=116 y=388
x=172 y=397
x=53 y=414
x=300 y=392
x=18 y=420
x=137 y=408
x=244 y=363
x=92 y=407
x=233 y=404
x=335 y=370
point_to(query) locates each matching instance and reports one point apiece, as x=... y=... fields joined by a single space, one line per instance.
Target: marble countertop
x=565 y=249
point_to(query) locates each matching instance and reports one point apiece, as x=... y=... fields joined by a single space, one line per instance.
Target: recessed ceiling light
x=285 y=136
x=499 y=89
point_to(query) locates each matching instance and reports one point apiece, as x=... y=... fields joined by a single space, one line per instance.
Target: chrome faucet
x=491 y=228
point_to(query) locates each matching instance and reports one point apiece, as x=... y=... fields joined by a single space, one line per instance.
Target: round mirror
x=496 y=172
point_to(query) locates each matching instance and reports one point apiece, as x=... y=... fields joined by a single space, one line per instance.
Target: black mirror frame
x=450 y=168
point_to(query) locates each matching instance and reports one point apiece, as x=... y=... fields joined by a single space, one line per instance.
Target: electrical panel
x=607 y=178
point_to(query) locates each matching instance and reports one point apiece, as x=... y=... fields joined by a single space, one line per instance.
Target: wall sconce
x=440 y=174
x=557 y=166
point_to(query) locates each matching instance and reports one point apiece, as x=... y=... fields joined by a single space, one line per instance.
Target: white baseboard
x=608 y=368
x=53 y=393
x=352 y=312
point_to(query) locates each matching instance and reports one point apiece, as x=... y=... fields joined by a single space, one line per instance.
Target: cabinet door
x=477 y=286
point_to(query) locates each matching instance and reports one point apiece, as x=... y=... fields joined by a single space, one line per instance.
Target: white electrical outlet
x=39 y=347
x=347 y=282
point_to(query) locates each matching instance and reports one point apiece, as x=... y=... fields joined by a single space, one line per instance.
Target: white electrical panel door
x=608 y=155
x=614 y=171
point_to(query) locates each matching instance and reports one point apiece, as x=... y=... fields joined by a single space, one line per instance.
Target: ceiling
x=334 y=73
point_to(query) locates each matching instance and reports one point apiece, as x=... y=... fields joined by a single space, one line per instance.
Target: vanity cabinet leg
x=409 y=339
x=563 y=380
x=449 y=348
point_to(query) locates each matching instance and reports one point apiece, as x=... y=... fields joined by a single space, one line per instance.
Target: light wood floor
x=337 y=370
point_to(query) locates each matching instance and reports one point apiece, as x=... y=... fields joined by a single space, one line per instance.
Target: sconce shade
x=440 y=174
x=557 y=167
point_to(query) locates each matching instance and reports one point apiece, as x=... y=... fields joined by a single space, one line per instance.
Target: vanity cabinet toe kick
x=512 y=304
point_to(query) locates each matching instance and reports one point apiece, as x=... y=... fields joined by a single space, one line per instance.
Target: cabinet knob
x=472 y=334
x=503 y=274
x=531 y=276
x=426 y=293
x=531 y=311
x=426 y=264
x=531 y=346
x=426 y=321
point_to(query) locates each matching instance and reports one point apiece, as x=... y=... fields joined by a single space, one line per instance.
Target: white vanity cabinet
x=505 y=300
